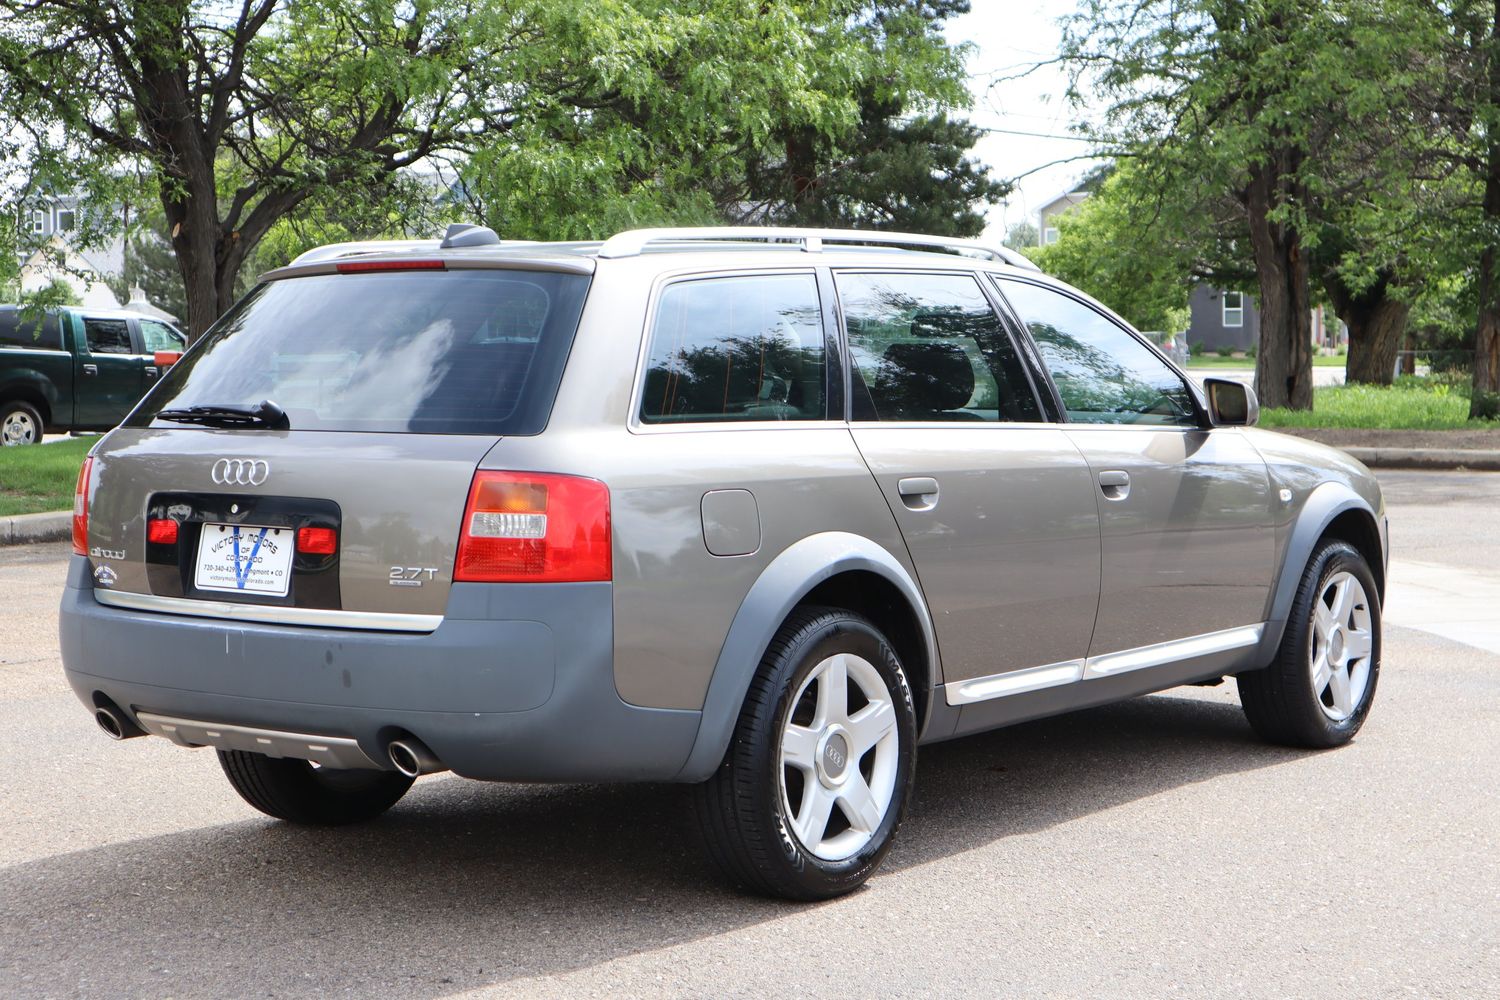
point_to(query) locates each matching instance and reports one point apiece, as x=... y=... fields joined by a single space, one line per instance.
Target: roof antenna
x=466 y=234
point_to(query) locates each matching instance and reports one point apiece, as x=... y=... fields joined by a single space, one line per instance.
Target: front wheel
x=1318 y=690
x=298 y=792
x=815 y=783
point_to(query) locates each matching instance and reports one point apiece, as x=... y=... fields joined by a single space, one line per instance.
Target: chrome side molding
x=1161 y=654
x=375 y=621
x=1013 y=682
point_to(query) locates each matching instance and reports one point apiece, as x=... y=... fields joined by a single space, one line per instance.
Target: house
x=1047 y=215
x=47 y=227
x=1222 y=318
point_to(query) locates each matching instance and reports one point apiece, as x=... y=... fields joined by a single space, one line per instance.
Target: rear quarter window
x=29 y=332
x=437 y=352
x=736 y=348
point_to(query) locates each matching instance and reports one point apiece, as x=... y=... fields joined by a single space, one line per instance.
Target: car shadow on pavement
x=465 y=884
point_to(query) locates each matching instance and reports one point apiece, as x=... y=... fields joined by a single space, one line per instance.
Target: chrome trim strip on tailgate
x=376 y=621
x=330 y=751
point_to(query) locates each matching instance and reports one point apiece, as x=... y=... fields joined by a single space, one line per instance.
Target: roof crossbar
x=634 y=242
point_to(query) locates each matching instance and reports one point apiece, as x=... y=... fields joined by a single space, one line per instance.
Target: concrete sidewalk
x=1458 y=604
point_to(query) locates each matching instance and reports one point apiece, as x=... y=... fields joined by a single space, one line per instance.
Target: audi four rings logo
x=240 y=471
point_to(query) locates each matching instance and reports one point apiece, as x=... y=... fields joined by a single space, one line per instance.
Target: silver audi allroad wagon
x=759 y=510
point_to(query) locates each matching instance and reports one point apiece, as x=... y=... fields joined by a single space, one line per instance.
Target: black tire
x=20 y=423
x=1280 y=700
x=742 y=811
x=298 y=792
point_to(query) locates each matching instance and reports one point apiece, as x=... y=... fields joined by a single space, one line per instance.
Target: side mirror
x=166 y=359
x=1231 y=403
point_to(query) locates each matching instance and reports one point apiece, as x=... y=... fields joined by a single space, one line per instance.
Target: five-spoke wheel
x=815 y=782
x=1318 y=690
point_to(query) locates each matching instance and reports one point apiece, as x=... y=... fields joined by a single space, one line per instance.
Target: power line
x=1035 y=135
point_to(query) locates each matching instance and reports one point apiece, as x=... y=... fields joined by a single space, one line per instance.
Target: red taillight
x=317 y=541
x=81 y=508
x=362 y=266
x=161 y=531
x=534 y=527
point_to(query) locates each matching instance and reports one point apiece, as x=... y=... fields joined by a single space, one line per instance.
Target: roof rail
x=333 y=250
x=633 y=242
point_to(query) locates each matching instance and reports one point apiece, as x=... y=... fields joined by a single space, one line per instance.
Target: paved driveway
x=1147 y=849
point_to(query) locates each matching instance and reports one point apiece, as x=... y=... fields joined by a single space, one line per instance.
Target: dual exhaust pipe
x=411 y=757
x=408 y=754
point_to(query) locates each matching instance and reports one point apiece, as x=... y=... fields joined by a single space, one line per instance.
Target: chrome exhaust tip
x=411 y=757
x=115 y=725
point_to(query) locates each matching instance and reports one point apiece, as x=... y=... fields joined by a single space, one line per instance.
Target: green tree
x=903 y=164
x=1022 y=236
x=1265 y=104
x=240 y=117
x=1106 y=248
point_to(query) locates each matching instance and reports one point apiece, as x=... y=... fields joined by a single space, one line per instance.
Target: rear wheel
x=815 y=783
x=20 y=423
x=298 y=792
x=1318 y=690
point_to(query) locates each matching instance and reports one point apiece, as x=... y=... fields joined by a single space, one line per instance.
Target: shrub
x=1224 y=350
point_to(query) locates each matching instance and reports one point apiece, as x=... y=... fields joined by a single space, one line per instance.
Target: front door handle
x=152 y=371
x=91 y=369
x=1115 y=484
x=918 y=492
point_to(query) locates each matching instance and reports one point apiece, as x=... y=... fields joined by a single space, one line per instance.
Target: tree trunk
x=1374 y=338
x=1283 y=368
x=1484 y=400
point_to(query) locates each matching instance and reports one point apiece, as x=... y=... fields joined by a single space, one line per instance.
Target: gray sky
x=1008 y=36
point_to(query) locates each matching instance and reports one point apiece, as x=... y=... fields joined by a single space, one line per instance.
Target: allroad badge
x=240 y=471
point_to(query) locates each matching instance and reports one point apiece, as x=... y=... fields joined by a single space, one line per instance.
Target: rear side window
x=736 y=348
x=29 y=332
x=107 y=336
x=431 y=352
x=929 y=347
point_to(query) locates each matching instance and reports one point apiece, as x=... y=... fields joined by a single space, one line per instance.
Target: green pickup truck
x=75 y=369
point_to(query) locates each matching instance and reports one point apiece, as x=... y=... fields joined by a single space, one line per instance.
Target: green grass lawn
x=1214 y=361
x=1401 y=407
x=40 y=477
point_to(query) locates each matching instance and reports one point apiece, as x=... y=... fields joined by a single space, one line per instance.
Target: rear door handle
x=918 y=492
x=91 y=369
x=1115 y=483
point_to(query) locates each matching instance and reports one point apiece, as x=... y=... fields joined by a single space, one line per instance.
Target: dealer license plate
x=244 y=559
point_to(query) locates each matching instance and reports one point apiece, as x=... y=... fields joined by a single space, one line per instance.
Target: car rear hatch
x=310 y=460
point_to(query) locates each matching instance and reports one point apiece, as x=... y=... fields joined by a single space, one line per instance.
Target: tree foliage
x=1276 y=120
x=564 y=119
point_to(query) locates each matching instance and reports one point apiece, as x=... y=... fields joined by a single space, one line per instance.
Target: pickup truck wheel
x=298 y=792
x=1318 y=690
x=20 y=423
x=816 y=779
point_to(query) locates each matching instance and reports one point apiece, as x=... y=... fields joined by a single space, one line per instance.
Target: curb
x=24 y=529
x=1427 y=458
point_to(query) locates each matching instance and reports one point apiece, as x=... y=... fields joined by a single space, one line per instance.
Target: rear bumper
x=515 y=684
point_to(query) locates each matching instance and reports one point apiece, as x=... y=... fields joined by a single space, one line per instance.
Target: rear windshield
x=426 y=352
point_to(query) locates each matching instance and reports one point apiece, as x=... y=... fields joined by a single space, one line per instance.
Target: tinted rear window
x=429 y=352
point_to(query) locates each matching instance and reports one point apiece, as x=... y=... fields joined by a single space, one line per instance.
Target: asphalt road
x=1147 y=849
